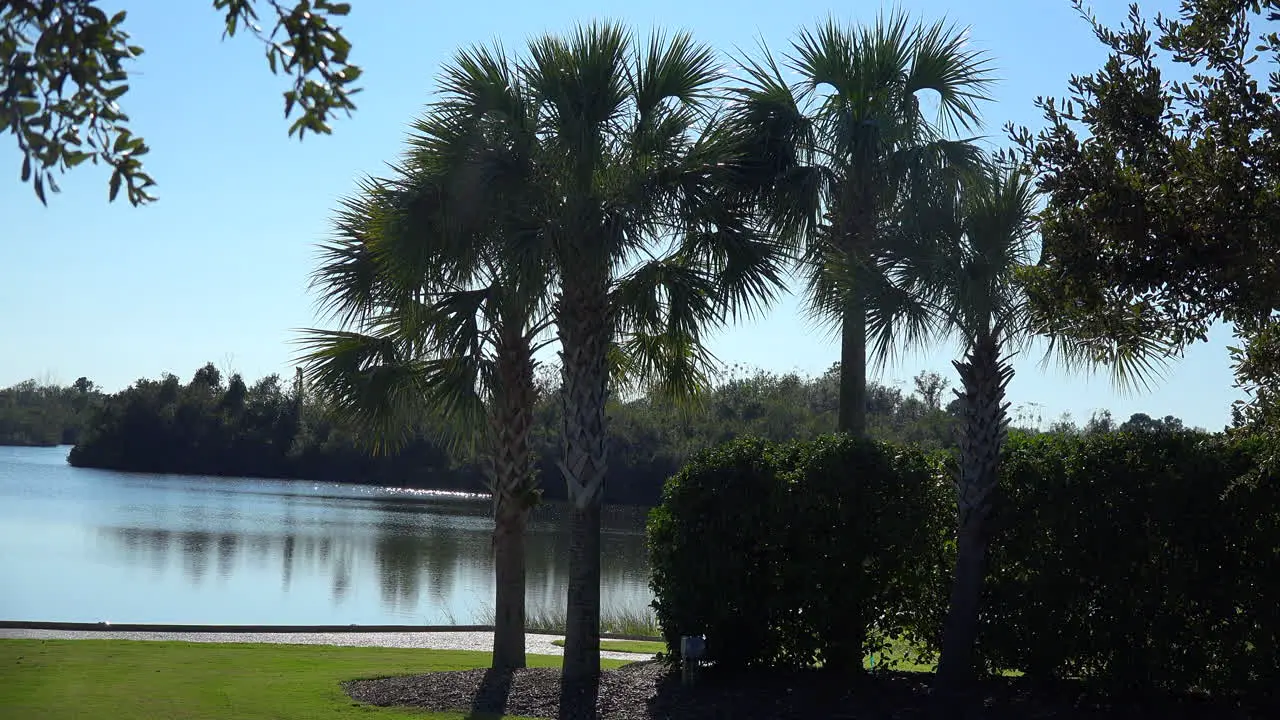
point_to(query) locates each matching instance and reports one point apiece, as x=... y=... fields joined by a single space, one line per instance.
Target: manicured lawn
x=640 y=647
x=124 y=680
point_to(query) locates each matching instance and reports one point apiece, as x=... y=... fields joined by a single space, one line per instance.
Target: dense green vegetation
x=787 y=555
x=1136 y=559
x=208 y=426
x=46 y=415
x=211 y=426
x=63 y=679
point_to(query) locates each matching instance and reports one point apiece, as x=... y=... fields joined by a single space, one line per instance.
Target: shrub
x=1134 y=560
x=1141 y=560
x=791 y=555
x=713 y=554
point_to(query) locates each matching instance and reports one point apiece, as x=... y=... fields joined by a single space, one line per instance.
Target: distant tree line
x=45 y=415
x=273 y=428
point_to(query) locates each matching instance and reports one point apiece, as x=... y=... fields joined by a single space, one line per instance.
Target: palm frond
x=671 y=365
x=899 y=315
x=481 y=80
x=666 y=294
x=678 y=68
x=346 y=279
x=582 y=83
x=1125 y=339
x=373 y=384
x=981 y=284
x=776 y=138
x=748 y=267
x=943 y=63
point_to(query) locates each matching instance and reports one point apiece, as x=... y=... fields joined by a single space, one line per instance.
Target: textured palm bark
x=512 y=475
x=585 y=332
x=509 y=594
x=853 y=369
x=984 y=375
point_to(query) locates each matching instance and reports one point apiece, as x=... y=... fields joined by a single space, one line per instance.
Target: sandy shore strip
x=471 y=640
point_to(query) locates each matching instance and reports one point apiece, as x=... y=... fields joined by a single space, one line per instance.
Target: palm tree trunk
x=581 y=669
x=585 y=331
x=509 y=595
x=984 y=377
x=960 y=633
x=514 y=491
x=853 y=368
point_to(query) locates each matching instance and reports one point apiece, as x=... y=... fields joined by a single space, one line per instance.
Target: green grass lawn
x=124 y=680
x=640 y=647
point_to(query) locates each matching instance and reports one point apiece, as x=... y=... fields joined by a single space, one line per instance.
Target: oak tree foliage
x=1161 y=173
x=64 y=74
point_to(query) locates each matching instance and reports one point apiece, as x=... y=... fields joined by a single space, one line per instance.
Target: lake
x=97 y=545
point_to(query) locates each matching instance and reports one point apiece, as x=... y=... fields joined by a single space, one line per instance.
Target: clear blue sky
x=217 y=269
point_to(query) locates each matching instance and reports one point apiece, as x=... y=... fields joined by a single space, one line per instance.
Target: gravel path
x=534 y=644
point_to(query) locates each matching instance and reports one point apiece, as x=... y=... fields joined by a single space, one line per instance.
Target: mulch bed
x=650 y=691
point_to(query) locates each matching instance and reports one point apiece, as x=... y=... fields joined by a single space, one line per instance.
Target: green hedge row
x=788 y=555
x=1138 y=560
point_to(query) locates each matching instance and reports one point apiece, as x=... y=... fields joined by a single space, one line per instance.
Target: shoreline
x=470 y=641
x=444 y=492
x=196 y=629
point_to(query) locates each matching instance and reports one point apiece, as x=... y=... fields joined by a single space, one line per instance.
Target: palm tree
x=841 y=156
x=975 y=287
x=442 y=310
x=648 y=245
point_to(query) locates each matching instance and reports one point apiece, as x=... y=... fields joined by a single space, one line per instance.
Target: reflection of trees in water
x=286 y=562
x=228 y=544
x=261 y=548
x=625 y=563
x=340 y=583
x=415 y=546
x=421 y=553
x=149 y=545
x=195 y=553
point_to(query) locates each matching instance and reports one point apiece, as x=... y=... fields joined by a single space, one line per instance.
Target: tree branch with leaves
x=1162 y=212
x=64 y=74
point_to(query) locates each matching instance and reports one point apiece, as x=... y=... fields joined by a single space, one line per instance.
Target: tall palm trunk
x=984 y=376
x=853 y=368
x=585 y=332
x=514 y=494
x=509 y=595
x=856 y=234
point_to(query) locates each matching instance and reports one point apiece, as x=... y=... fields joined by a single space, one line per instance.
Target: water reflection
x=427 y=565
x=91 y=545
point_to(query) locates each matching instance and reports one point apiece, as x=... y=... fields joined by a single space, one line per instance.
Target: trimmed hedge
x=1137 y=560
x=1144 y=560
x=790 y=555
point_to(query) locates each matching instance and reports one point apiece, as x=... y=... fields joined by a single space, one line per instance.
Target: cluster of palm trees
x=621 y=199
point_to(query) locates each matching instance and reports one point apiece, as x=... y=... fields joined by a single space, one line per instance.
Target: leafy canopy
x=847 y=155
x=63 y=74
x=1161 y=174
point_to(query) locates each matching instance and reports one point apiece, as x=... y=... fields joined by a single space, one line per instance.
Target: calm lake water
x=92 y=545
